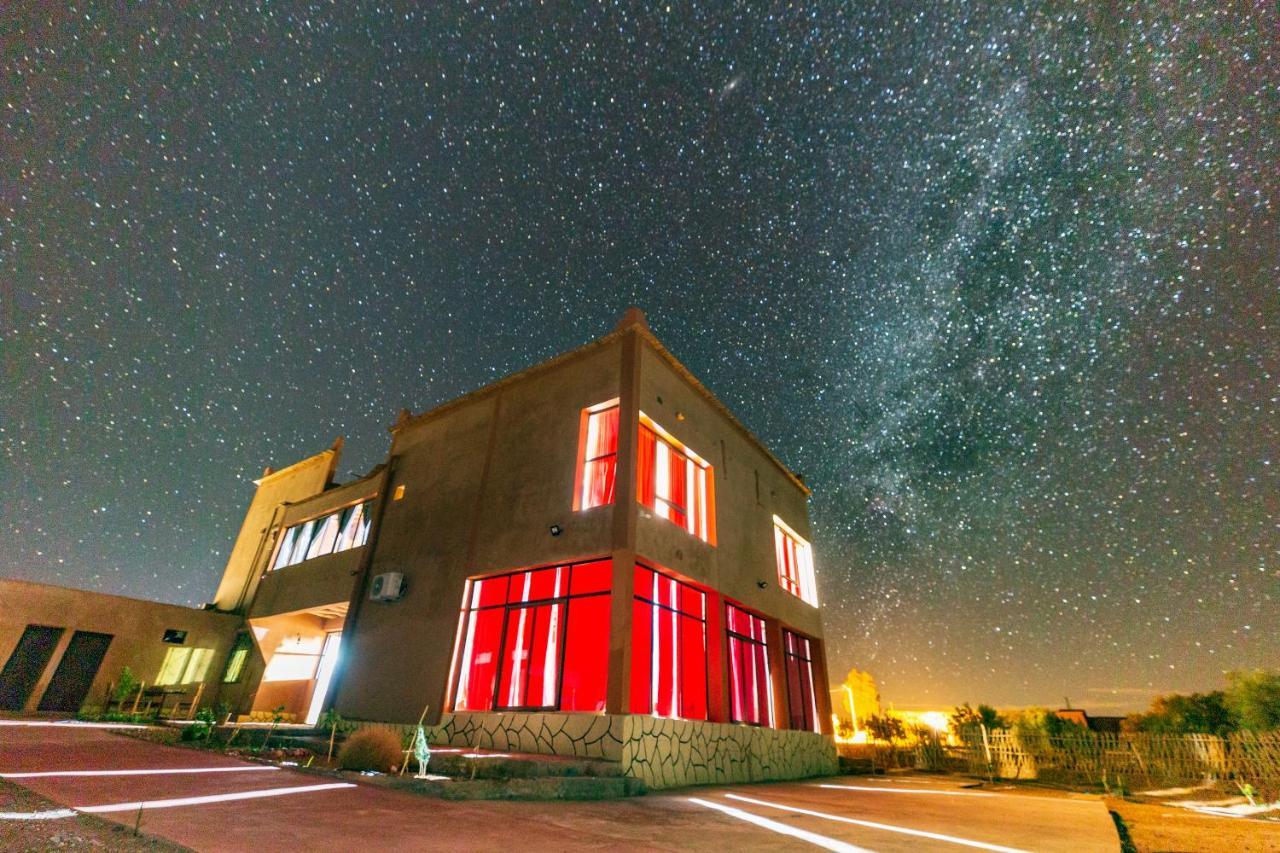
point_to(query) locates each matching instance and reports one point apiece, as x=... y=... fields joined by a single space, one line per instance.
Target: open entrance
x=301 y=651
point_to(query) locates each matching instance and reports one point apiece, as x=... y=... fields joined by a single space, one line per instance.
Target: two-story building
x=592 y=556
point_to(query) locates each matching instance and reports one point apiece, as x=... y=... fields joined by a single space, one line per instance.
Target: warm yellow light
x=936 y=720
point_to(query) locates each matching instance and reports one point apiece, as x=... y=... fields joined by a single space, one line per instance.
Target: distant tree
x=1253 y=699
x=1176 y=714
x=885 y=727
x=966 y=716
x=1042 y=721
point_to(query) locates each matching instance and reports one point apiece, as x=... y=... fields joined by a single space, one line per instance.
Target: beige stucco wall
x=744 y=549
x=484 y=481
x=136 y=627
x=253 y=543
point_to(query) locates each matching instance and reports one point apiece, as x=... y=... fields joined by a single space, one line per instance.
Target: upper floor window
x=597 y=456
x=675 y=482
x=795 y=563
x=328 y=534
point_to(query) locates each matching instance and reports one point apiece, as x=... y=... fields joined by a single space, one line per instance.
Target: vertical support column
x=717 y=657
x=618 y=696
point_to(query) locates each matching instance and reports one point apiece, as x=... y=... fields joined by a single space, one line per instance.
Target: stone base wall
x=660 y=753
x=673 y=753
x=579 y=735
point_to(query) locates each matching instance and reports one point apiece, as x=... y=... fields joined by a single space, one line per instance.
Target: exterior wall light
x=556 y=530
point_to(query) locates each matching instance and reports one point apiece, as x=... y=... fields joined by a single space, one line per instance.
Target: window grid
x=795 y=563
x=801 y=699
x=493 y=596
x=336 y=531
x=683 y=670
x=750 y=690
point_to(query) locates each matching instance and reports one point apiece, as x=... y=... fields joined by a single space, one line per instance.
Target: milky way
x=1001 y=283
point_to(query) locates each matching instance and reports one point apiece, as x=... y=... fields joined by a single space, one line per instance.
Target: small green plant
x=331 y=720
x=277 y=716
x=1250 y=793
x=371 y=749
x=125 y=687
x=202 y=727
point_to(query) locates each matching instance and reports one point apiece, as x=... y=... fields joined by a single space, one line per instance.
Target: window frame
x=803 y=584
x=287 y=536
x=703 y=486
x=770 y=721
x=707 y=600
x=806 y=662
x=580 y=483
x=508 y=608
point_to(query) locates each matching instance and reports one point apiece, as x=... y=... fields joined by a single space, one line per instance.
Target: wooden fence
x=1130 y=761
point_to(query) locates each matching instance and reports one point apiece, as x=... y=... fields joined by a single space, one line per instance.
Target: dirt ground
x=81 y=832
x=1154 y=828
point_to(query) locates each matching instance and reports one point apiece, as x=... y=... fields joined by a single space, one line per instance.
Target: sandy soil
x=1156 y=828
x=81 y=832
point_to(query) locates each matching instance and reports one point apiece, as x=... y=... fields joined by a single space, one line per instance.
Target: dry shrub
x=371 y=749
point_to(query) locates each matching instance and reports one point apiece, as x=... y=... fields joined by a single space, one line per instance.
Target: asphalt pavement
x=212 y=802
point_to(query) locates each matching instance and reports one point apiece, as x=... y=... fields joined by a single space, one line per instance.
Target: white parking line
x=212 y=798
x=166 y=771
x=781 y=828
x=52 y=814
x=907 y=791
x=919 y=833
x=68 y=724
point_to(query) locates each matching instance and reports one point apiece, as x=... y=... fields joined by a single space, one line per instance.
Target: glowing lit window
x=184 y=666
x=795 y=563
x=675 y=482
x=289 y=666
x=237 y=659
x=175 y=663
x=598 y=456
x=668 y=647
x=338 y=531
x=750 y=693
x=801 y=701
x=536 y=639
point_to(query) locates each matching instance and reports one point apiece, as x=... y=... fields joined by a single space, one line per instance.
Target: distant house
x=1081 y=718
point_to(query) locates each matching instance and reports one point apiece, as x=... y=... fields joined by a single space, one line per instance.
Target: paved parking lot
x=211 y=802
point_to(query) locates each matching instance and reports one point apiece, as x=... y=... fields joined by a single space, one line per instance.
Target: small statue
x=421 y=752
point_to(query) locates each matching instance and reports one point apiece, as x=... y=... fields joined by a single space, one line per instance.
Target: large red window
x=536 y=639
x=598 y=457
x=750 y=694
x=675 y=482
x=668 y=647
x=795 y=563
x=801 y=701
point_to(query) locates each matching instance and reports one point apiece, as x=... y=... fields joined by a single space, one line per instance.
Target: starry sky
x=999 y=280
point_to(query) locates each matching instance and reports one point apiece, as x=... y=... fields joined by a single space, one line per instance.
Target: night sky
x=1000 y=282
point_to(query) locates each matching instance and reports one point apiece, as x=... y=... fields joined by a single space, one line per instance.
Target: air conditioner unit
x=388 y=586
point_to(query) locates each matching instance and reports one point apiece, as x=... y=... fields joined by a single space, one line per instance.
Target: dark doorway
x=25 y=665
x=75 y=672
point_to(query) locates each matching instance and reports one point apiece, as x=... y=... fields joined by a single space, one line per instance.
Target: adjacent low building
x=592 y=556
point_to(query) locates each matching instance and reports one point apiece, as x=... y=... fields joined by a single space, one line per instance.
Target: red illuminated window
x=801 y=701
x=668 y=647
x=750 y=694
x=795 y=563
x=536 y=639
x=598 y=455
x=675 y=482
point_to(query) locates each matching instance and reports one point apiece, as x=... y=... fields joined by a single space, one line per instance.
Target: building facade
x=584 y=557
